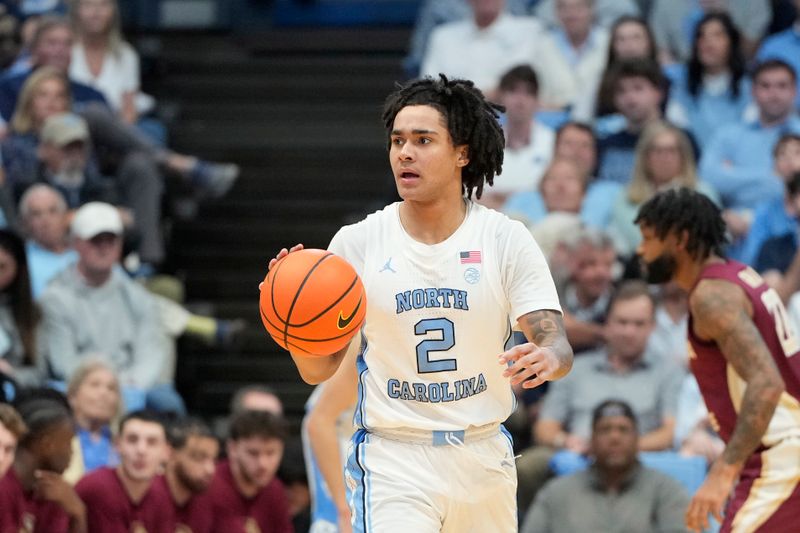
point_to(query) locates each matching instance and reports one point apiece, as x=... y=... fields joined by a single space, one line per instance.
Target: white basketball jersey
x=439 y=315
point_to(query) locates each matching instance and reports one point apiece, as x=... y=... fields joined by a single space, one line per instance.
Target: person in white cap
x=94 y=309
x=67 y=163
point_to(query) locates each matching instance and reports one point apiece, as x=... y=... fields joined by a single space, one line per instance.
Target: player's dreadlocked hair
x=471 y=120
x=684 y=210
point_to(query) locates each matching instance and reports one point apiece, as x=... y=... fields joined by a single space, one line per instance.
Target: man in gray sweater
x=616 y=494
x=93 y=309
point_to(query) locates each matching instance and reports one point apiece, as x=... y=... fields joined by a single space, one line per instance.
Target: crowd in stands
x=607 y=102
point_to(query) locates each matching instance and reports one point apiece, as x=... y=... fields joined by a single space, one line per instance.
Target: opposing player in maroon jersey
x=743 y=352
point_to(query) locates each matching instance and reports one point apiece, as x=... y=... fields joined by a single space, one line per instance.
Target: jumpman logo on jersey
x=388 y=266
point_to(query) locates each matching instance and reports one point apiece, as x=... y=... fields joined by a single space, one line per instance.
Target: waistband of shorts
x=438 y=437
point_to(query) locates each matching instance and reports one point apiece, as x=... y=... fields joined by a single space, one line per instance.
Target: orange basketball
x=312 y=302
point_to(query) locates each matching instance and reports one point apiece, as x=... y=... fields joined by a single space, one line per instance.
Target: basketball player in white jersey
x=445 y=279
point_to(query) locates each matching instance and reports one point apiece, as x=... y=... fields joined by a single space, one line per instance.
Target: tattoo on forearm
x=721 y=316
x=546 y=328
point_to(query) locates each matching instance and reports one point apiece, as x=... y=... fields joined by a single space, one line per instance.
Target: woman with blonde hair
x=664 y=159
x=46 y=92
x=102 y=59
x=94 y=395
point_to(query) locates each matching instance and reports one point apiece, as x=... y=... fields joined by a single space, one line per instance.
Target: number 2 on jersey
x=446 y=341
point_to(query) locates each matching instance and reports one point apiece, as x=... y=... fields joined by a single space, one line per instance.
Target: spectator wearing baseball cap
x=66 y=163
x=93 y=309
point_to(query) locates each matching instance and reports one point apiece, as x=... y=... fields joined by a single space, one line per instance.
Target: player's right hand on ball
x=283 y=253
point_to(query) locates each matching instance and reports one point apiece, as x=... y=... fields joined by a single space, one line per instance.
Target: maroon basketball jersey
x=266 y=512
x=721 y=386
x=22 y=512
x=195 y=516
x=109 y=508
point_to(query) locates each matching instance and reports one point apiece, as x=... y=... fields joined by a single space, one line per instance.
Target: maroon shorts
x=767 y=497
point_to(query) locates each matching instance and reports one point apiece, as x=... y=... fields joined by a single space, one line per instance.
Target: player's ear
x=463 y=156
x=683 y=239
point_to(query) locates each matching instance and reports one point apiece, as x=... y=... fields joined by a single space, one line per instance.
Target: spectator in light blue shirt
x=778 y=217
x=44 y=216
x=738 y=160
x=784 y=46
x=94 y=395
x=574 y=141
x=711 y=90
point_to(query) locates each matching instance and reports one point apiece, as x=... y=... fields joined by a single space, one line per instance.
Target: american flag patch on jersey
x=472 y=256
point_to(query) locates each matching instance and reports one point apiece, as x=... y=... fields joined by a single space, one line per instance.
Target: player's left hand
x=530 y=365
x=711 y=496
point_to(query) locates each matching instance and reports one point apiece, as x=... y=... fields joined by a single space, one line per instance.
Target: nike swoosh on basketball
x=344 y=322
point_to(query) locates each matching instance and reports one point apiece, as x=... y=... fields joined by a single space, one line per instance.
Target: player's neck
x=689 y=271
x=134 y=488
x=180 y=493
x=432 y=223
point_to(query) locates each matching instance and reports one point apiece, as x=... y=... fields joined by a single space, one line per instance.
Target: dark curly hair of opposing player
x=471 y=120
x=685 y=211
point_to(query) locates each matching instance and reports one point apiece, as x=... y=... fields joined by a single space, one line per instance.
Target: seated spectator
x=664 y=159
x=638 y=87
x=67 y=165
x=616 y=489
x=256 y=398
x=93 y=309
x=52 y=146
x=529 y=144
x=12 y=429
x=630 y=38
x=561 y=190
x=585 y=296
x=570 y=56
x=94 y=395
x=737 y=161
x=575 y=142
x=482 y=47
x=776 y=252
x=125 y=498
x=45 y=220
x=433 y=13
x=784 y=46
x=622 y=369
x=33 y=495
x=19 y=315
x=674 y=21
x=668 y=341
x=50 y=46
x=110 y=135
x=776 y=218
x=102 y=59
x=607 y=11
x=188 y=474
x=712 y=90
x=246 y=494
